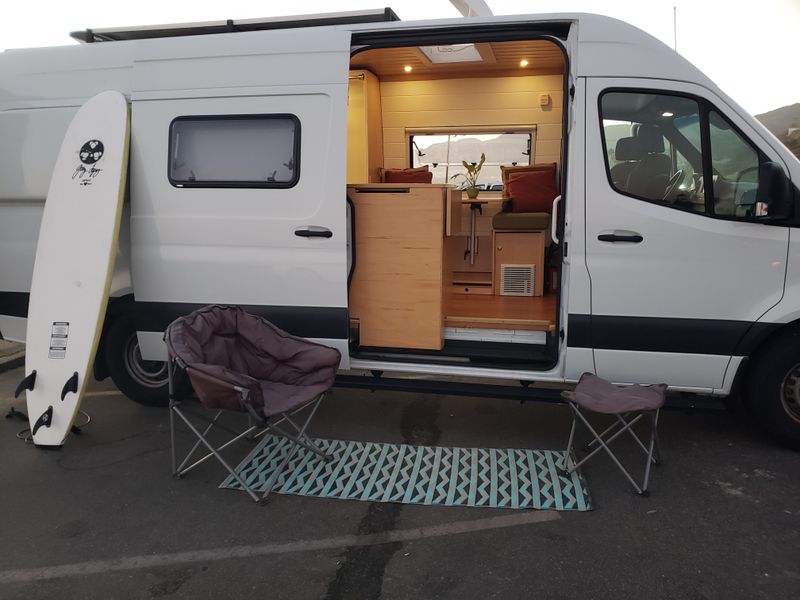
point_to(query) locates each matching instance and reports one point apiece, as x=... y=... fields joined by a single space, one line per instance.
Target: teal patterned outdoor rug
x=375 y=472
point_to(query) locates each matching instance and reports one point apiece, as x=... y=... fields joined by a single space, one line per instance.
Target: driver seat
x=649 y=178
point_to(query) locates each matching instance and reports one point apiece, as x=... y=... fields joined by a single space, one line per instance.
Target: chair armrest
x=218 y=386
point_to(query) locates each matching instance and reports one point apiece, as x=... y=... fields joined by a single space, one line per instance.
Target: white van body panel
x=690 y=268
x=177 y=259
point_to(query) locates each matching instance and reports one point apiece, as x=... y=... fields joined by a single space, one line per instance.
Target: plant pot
x=472 y=193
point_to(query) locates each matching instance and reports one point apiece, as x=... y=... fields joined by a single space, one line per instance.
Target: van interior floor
x=511 y=313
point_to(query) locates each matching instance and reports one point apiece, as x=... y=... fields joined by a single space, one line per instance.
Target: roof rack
x=116 y=34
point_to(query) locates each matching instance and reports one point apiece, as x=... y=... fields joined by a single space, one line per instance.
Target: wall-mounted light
x=523 y=63
x=407 y=69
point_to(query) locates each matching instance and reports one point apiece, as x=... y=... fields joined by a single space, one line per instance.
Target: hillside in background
x=780 y=120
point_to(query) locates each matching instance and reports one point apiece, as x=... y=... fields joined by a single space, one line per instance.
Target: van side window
x=735 y=166
x=679 y=152
x=251 y=151
x=653 y=149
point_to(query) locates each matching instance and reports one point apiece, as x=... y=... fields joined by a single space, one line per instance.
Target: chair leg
x=301 y=437
x=213 y=452
x=172 y=403
x=297 y=442
x=182 y=470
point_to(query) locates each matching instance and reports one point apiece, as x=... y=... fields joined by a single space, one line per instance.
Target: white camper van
x=631 y=219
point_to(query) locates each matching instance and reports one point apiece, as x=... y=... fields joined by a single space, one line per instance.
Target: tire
x=142 y=381
x=773 y=389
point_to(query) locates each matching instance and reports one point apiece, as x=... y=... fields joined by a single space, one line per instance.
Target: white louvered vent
x=517 y=280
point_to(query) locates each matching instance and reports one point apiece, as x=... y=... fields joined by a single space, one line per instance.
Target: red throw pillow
x=407 y=176
x=532 y=192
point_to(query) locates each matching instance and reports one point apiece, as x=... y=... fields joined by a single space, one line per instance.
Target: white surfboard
x=74 y=261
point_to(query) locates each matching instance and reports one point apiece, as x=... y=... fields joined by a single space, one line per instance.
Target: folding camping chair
x=239 y=362
x=628 y=405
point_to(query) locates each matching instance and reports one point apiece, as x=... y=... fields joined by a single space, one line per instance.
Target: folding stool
x=628 y=405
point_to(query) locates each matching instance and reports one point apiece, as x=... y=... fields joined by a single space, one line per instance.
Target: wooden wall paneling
x=388 y=63
x=364 y=128
x=466 y=102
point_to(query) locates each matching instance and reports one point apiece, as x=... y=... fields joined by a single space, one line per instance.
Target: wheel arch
x=753 y=345
x=117 y=307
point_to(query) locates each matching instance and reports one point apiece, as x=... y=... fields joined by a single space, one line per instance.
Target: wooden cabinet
x=396 y=289
x=364 y=128
x=519 y=263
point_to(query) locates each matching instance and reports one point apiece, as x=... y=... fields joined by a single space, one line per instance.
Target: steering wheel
x=673 y=184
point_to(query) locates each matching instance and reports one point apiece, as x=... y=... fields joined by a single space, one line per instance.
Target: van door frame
x=554 y=32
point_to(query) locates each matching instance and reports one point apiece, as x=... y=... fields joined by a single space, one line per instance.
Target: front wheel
x=773 y=389
x=143 y=381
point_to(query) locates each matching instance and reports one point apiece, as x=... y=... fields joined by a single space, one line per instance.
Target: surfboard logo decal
x=89 y=154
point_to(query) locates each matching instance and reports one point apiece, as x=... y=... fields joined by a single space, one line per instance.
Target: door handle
x=633 y=238
x=313 y=231
x=554 y=220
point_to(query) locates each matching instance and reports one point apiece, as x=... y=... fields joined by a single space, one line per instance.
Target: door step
x=509 y=336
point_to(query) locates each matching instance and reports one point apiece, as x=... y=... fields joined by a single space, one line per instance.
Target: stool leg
x=654 y=417
x=611 y=455
x=568 y=462
x=654 y=424
x=607 y=431
x=636 y=437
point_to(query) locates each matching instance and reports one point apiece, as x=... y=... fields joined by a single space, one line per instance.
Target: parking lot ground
x=103 y=518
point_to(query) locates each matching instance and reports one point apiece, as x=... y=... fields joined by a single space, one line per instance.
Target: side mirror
x=774 y=191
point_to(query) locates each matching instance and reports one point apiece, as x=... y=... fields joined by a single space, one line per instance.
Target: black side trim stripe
x=303 y=321
x=14 y=304
x=654 y=334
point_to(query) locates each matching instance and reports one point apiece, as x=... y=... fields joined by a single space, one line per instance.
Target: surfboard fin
x=26 y=384
x=70 y=386
x=45 y=420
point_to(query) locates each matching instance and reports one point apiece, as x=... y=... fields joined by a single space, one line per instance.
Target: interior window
x=735 y=166
x=650 y=147
x=234 y=151
x=444 y=153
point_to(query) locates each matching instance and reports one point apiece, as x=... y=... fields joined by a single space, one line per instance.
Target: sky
x=749 y=49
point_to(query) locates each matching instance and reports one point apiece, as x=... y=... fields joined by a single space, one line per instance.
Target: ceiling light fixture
x=407 y=69
x=524 y=62
x=667 y=114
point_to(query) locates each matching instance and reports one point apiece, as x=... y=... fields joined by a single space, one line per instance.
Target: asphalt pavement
x=103 y=518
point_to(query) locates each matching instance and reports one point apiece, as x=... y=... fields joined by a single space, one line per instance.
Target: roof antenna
x=675 y=27
x=472 y=8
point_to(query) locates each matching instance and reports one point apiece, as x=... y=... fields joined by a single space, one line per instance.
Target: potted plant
x=471 y=176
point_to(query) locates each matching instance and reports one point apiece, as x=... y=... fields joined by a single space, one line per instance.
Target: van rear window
x=250 y=151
